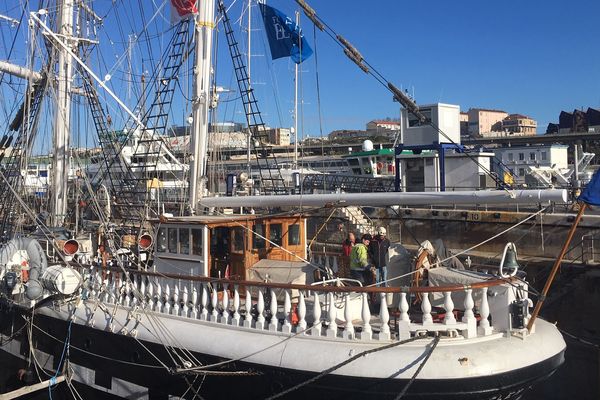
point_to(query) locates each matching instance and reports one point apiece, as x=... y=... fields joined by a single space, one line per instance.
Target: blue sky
x=535 y=58
x=531 y=57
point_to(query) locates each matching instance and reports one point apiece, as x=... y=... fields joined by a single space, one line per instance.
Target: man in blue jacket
x=378 y=250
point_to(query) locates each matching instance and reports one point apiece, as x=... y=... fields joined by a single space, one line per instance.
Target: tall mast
x=201 y=90
x=249 y=138
x=62 y=117
x=296 y=103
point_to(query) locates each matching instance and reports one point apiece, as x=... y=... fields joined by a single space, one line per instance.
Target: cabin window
x=294 y=235
x=197 y=242
x=172 y=239
x=275 y=233
x=258 y=241
x=161 y=240
x=238 y=240
x=184 y=241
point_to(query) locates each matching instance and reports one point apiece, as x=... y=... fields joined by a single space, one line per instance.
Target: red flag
x=182 y=9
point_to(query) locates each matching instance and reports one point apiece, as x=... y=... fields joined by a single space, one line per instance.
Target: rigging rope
x=340 y=365
x=434 y=344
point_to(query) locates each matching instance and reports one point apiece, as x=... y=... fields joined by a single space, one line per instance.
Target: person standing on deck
x=360 y=269
x=344 y=266
x=378 y=250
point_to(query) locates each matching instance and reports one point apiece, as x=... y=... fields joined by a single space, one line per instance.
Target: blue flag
x=285 y=37
x=591 y=193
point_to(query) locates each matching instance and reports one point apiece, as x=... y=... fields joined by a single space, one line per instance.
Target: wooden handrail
x=333 y=289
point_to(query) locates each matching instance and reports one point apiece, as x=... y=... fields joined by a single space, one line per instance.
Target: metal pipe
x=392 y=199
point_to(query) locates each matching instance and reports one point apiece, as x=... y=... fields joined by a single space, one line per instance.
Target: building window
x=197 y=242
x=521 y=156
x=275 y=234
x=238 y=240
x=521 y=171
x=184 y=241
x=511 y=157
x=172 y=239
x=258 y=241
x=294 y=235
x=161 y=240
x=532 y=156
x=544 y=156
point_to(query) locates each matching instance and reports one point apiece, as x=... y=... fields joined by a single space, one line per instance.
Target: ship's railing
x=336 y=312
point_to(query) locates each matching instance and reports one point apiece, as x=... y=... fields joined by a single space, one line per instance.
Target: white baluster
x=384 y=316
x=159 y=297
x=126 y=290
x=214 y=302
x=367 y=332
x=349 y=328
x=133 y=291
x=484 y=324
x=167 y=299
x=274 y=324
x=287 y=310
x=469 y=316
x=332 y=329
x=186 y=308
x=426 y=308
x=301 y=314
x=248 y=308
x=335 y=267
x=176 y=306
x=194 y=312
x=204 y=303
x=316 y=330
x=150 y=291
x=225 y=301
x=143 y=291
x=236 y=319
x=260 y=308
x=449 y=319
x=404 y=321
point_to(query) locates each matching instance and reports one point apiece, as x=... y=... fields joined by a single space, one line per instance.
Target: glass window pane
x=184 y=241
x=161 y=240
x=172 y=240
x=257 y=241
x=238 y=239
x=275 y=233
x=197 y=242
x=294 y=235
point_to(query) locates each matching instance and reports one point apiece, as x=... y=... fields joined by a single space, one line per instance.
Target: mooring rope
x=434 y=344
x=340 y=365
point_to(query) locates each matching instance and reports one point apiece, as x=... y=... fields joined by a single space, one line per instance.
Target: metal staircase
x=358 y=219
x=114 y=170
x=150 y=160
x=24 y=125
x=272 y=181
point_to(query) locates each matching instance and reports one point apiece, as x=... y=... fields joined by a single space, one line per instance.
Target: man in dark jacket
x=378 y=250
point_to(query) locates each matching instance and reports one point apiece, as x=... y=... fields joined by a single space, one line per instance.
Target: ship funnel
x=145 y=241
x=71 y=247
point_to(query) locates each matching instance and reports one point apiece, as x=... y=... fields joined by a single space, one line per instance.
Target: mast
x=296 y=103
x=248 y=140
x=201 y=91
x=62 y=118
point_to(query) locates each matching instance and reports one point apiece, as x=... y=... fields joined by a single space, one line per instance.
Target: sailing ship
x=221 y=303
